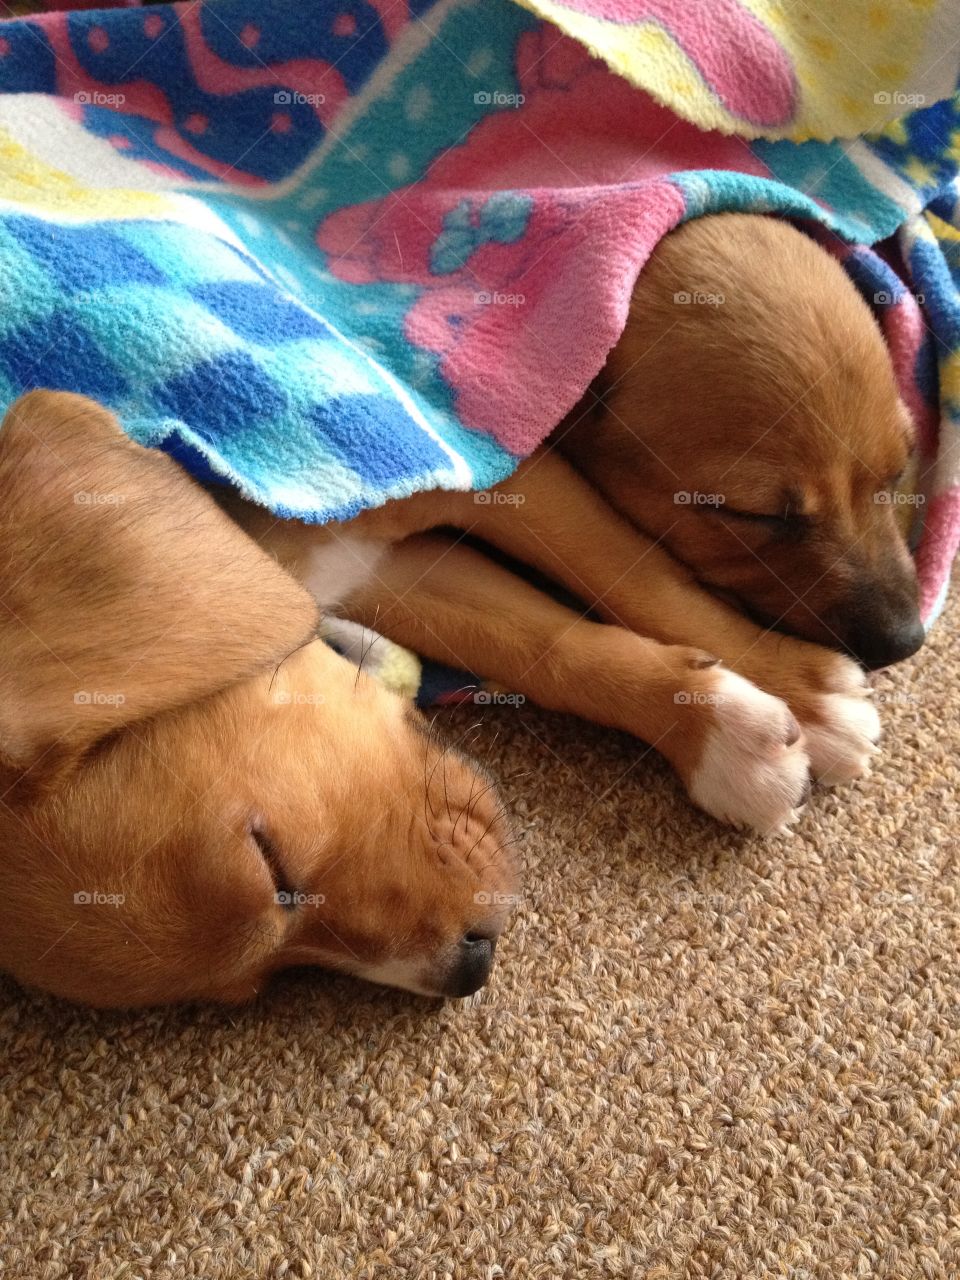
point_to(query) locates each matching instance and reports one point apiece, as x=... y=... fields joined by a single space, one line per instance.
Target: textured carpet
x=701 y=1056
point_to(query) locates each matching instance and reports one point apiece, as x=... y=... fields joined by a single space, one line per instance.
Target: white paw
x=754 y=771
x=841 y=735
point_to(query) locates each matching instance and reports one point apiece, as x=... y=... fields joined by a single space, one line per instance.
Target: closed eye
x=788 y=519
x=898 y=475
x=750 y=515
x=284 y=890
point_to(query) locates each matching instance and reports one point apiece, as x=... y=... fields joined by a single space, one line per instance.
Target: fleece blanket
x=338 y=252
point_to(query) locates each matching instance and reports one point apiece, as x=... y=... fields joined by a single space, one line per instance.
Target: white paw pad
x=751 y=774
x=841 y=739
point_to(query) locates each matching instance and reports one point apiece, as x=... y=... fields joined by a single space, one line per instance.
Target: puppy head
x=195 y=793
x=765 y=398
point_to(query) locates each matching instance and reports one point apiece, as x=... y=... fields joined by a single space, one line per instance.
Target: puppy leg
x=737 y=749
x=548 y=516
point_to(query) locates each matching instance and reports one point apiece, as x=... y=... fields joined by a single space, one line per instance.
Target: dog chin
x=461 y=975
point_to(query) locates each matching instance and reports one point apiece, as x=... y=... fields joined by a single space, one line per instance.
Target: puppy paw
x=753 y=768
x=829 y=695
x=840 y=723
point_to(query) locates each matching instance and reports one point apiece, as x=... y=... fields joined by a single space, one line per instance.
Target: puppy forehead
x=822 y=443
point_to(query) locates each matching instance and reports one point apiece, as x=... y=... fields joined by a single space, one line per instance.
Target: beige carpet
x=701 y=1056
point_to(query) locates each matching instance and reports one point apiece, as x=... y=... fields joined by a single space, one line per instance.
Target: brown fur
x=781 y=399
x=788 y=406
x=161 y=693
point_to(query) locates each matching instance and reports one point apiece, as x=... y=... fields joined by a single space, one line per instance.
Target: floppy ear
x=124 y=589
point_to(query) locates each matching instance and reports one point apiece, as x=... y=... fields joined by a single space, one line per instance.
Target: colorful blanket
x=338 y=252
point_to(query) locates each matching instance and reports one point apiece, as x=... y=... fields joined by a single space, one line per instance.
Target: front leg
x=553 y=519
x=738 y=750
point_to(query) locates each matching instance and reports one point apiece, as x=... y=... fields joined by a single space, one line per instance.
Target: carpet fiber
x=702 y=1055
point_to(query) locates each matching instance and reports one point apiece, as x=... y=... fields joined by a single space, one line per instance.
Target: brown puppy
x=778 y=406
x=193 y=791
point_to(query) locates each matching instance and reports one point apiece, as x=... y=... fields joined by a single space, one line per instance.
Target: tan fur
x=161 y=695
x=781 y=395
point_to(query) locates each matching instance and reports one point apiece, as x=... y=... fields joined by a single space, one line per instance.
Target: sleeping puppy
x=195 y=793
x=781 y=410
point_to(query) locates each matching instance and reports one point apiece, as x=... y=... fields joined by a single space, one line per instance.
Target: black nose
x=472 y=966
x=884 y=645
x=880 y=620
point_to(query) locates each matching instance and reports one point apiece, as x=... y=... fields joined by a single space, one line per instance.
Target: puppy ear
x=124 y=589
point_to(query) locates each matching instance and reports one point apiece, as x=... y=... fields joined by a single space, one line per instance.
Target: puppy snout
x=886 y=629
x=472 y=966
